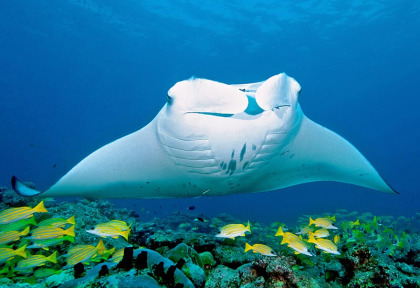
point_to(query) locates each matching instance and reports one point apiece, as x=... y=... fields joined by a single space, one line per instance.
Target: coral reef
x=179 y=252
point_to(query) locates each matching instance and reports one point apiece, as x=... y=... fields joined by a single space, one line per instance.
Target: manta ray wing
x=134 y=166
x=318 y=154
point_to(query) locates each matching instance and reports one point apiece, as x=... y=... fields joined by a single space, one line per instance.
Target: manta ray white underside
x=216 y=139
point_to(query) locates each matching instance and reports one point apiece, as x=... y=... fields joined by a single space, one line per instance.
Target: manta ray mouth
x=253 y=108
x=212 y=114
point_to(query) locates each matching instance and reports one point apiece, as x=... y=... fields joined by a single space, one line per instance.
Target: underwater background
x=78 y=74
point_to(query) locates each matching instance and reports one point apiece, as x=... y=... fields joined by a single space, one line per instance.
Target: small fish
x=323 y=222
x=7 y=254
x=406 y=238
x=15 y=214
x=358 y=236
x=260 y=248
x=305 y=230
x=118 y=255
x=293 y=241
x=12 y=236
x=396 y=242
x=18 y=225
x=389 y=231
x=50 y=232
x=35 y=260
x=320 y=233
x=350 y=224
x=324 y=244
x=233 y=230
x=332 y=218
x=377 y=221
x=367 y=227
x=336 y=239
x=191 y=208
x=83 y=253
x=105 y=255
x=46 y=272
x=287 y=236
x=44 y=244
x=201 y=219
x=57 y=222
x=109 y=230
x=300 y=246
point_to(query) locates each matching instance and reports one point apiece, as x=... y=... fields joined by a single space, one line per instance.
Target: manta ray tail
x=22 y=189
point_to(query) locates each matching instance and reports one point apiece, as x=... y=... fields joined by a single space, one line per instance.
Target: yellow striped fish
x=57 y=222
x=15 y=214
x=105 y=255
x=50 y=232
x=35 y=260
x=234 y=230
x=287 y=236
x=336 y=239
x=305 y=230
x=320 y=233
x=109 y=230
x=326 y=222
x=118 y=224
x=300 y=246
x=260 y=248
x=44 y=244
x=12 y=236
x=349 y=224
x=118 y=255
x=324 y=244
x=83 y=253
x=7 y=254
x=18 y=225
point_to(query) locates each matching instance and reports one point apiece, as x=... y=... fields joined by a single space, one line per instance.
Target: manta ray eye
x=170 y=100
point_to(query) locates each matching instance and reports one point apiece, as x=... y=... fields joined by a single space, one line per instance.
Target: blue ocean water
x=78 y=74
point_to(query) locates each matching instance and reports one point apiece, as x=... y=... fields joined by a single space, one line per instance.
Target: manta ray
x=212 y=138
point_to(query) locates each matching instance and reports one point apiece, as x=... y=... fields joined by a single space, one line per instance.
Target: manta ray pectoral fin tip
x=391 y=188
x=22 y=189
x=14 y=183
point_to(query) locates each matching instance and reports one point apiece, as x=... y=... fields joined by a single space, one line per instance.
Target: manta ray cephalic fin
x=23 y=189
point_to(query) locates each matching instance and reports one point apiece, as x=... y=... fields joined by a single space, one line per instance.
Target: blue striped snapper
x=11 y=215
x=233 y=230
x=57 y=222
x=12 y=236
x=18 y=225
x=7 y=254
x=35 y=260
x=83 y=253
x=260 y=248
x=50 y=232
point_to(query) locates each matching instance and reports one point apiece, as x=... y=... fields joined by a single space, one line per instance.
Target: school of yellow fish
x=316 y=235
x=20 y=235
